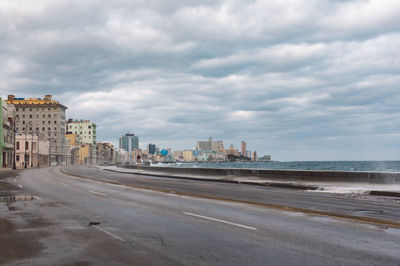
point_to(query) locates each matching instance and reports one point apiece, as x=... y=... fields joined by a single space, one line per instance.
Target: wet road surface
x=91 y=222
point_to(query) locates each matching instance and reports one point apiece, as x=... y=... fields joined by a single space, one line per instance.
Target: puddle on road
x=9 y=200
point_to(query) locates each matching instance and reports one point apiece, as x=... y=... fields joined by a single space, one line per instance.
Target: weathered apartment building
x=45 y=118
x=86 y=131
x=6 y=134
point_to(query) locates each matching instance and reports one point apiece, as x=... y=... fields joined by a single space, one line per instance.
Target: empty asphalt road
x=101 y=218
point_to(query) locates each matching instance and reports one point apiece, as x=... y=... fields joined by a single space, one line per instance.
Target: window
x=49 y=129
x=23 y=109
x=55 y=115
x=26 y=145
x=30 y=116
x=89 y=127
x=17 y=145
x=49 y=115
x=49 y=121
x=30 y=109
x=23 y=129
x=44 y=116
x=43 y=122
x=37 y=116
x=17 y=157
x=23 y=116
x=55 y=122
x=48 y=109
x=17 y=108
x=23 y=122
x=30 y=129
x=55 y=129
x=55 y=134
x=89 y=132
x=43 y=129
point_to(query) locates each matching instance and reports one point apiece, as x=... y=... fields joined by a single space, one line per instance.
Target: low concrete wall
x=285 y=175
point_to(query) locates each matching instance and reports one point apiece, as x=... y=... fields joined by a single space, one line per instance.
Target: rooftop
x=47 y=100
x=79 y=121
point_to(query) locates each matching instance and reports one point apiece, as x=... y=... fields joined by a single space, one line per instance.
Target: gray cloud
x=301 y=80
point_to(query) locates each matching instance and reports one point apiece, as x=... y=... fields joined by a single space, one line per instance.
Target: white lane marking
x=220 y=221
x=115 y=185
x=36 y=197
x=108 y=233
x=98 y=193
x=63 y=184
x=20 y=186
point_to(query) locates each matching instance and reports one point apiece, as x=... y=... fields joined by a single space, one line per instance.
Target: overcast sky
x=300 y=80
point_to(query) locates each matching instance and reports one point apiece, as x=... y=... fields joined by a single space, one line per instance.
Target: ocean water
x=369 y=166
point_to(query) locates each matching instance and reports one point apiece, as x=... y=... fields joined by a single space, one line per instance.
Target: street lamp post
x=31 y=149
x=26 y=147
x=38 y=151
x=50 y=142
x=49 y=150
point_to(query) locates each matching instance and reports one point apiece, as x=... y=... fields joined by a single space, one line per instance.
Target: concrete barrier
x=284 y=175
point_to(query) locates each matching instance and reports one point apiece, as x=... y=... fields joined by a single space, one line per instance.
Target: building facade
x=232 y=151
x=129 y=142
x=105 y=153
x=26 y=151
x=210 y=145
x=152 y=148
x=42 y=117
x=121 y=156
x=188 y=156
x=86 y=131
x=243 y=148
x=7 y=113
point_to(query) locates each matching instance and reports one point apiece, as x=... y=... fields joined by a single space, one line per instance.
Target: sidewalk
x=329 y=187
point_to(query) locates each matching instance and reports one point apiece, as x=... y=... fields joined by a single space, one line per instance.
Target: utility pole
x=50 y=151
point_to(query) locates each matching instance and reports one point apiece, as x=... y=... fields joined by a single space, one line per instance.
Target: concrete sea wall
x=284 y=175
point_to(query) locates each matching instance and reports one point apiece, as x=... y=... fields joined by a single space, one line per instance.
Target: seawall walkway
x=373 y=183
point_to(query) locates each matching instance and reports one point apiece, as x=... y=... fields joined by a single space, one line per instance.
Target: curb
x=384 y=193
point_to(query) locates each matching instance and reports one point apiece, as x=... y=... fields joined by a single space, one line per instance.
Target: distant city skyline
x=300 y=80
